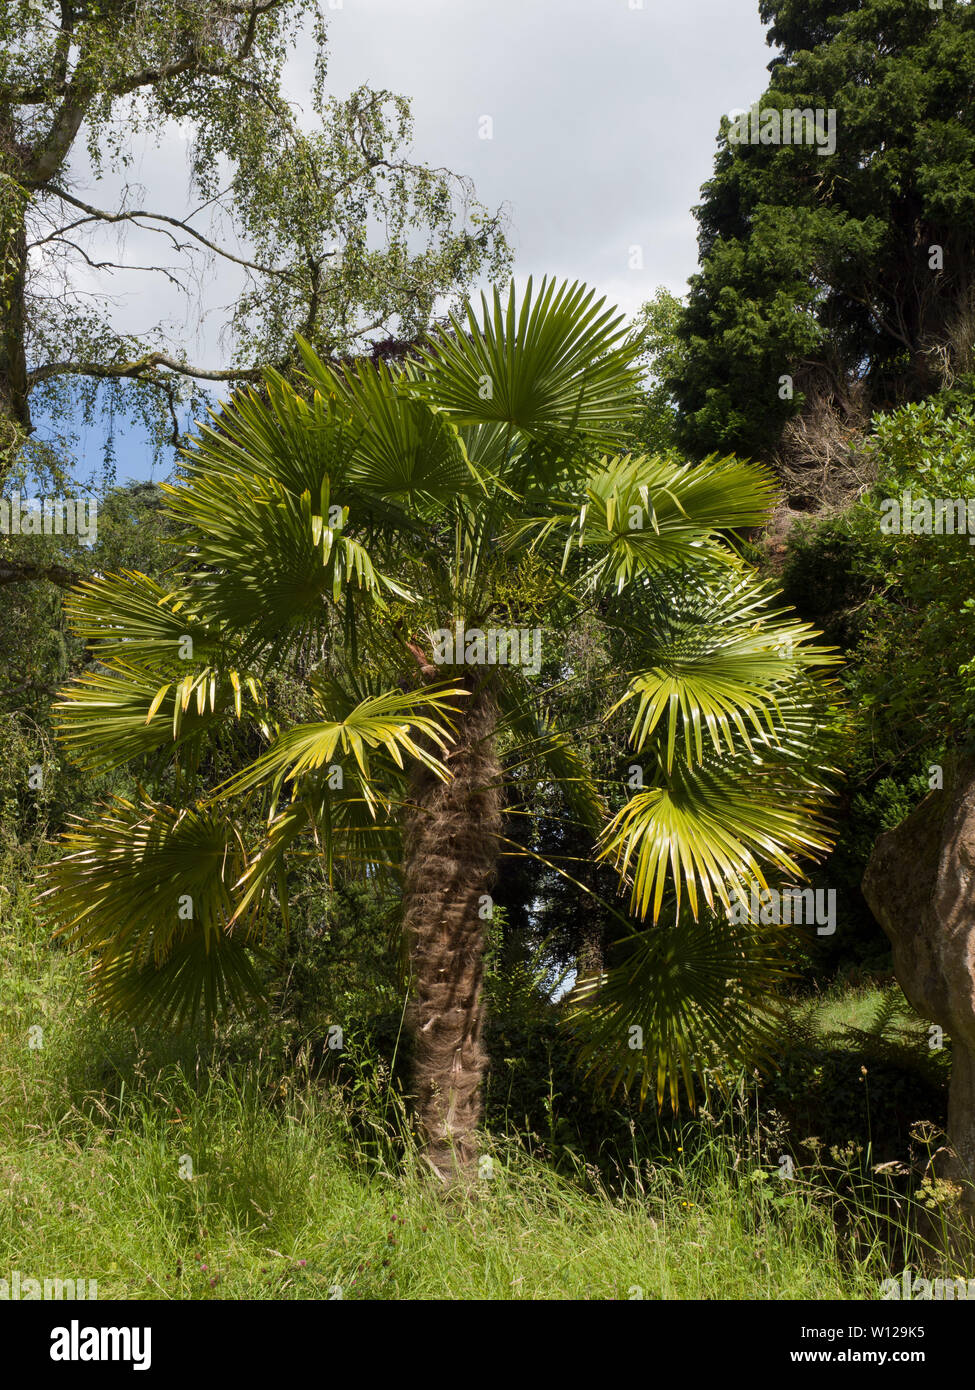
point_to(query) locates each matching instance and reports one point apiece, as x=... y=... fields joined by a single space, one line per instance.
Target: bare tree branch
x=141 y=368
x=100 y=215
x=115 y=265
x=22 y=572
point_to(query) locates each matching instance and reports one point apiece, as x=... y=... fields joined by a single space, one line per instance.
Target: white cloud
x=604 y=122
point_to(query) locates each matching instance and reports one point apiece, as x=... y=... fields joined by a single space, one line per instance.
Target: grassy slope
x=291 y=1199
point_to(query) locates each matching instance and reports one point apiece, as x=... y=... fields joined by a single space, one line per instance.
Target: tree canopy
x=334 y=229
x=851 y=274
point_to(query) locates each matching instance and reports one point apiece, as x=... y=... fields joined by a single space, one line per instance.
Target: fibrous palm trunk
x=451 y=852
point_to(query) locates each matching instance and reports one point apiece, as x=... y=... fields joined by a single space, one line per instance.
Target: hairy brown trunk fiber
x=451 y=852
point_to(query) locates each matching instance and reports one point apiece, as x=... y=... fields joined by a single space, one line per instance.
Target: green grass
x=284 y=1203
x=300 y=1191
x=855 y=1006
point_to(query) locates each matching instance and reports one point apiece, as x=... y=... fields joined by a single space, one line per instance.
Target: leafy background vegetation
x=307 y=1174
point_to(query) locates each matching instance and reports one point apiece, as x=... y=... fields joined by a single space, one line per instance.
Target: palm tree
x=373 y=518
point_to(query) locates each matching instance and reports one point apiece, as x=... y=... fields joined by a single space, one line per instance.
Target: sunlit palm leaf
x=643 y=516
x=710 y=829
x=397 y=723
x=281 y=438
x=726 y=669
x=112 y=715
x=139 y=617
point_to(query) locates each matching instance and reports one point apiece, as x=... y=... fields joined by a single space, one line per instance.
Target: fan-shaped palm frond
x=406 y=452
x=124 y=711
x=718 y=662
x=149 y=890
x=273 y=558
x=561 y=364
x=640 y=516
x=711 y=827
x=689 y=999
x=281 y=438
x=391 y=723
x=132 y=614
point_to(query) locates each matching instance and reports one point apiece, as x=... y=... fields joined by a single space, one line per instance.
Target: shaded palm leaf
x=538 y=741
x=148 y=889
x=405 y=451
x=688 y=1000
x=274 y=559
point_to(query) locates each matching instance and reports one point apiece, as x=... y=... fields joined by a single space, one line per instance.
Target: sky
x=603 y=118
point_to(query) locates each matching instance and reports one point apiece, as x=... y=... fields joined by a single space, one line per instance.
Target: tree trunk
x=14 y=413
x=451 y=852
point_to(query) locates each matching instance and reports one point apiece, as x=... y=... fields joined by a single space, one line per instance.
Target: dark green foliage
x=817 y=266
x=664 y=358
x=901 y=608
x=858 y=1088
x=40 y=652
x=336 y=965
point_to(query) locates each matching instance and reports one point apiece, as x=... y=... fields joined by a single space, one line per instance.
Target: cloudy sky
x=604 y=116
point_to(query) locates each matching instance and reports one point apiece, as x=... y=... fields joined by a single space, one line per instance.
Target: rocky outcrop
x=920 y=885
